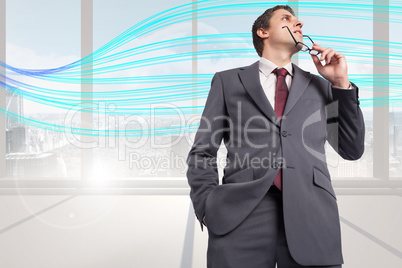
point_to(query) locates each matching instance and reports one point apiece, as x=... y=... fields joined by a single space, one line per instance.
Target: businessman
x=276 y=204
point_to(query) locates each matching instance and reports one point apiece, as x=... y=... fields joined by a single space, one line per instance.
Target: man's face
x=281 y=36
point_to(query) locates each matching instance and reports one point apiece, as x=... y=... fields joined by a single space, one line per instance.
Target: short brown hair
x=263 y=21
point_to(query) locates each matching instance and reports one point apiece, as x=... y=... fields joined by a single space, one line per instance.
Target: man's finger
x=318 y=47
x=325 y=53
x=316 y=61
x=329 y=56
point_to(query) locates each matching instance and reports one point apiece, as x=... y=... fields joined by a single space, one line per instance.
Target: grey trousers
x=258 y=242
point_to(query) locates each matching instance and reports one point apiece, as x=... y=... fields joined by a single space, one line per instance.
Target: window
x=129 y=42
x=40 y=38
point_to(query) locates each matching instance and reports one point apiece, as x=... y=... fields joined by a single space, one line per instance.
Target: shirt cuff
x=350 y=87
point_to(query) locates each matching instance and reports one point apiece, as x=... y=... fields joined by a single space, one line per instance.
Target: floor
x=161 y=231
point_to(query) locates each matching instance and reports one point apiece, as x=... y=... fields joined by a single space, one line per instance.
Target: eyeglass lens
x=311 y=51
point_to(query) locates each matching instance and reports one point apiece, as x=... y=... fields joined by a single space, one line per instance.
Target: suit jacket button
x=284 y=133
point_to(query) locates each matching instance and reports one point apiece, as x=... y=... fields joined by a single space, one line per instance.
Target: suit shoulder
x=322 y=83
x=318 y=79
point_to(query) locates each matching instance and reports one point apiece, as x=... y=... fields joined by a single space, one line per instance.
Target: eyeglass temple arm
x=291 y=35
x=313 y=44
x=309 y=38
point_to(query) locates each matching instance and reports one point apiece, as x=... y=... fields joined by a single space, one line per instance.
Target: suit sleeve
x=347 y=135
x=202 y=173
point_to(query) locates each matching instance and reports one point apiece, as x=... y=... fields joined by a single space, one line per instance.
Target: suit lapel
x=250 y=78
x=300 y=81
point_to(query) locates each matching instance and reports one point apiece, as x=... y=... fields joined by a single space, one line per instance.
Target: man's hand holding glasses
x=335 y=69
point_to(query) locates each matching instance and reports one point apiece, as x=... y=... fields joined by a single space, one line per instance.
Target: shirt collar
x=267 y=66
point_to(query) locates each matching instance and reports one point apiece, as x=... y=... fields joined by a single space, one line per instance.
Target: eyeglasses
x=304 y=47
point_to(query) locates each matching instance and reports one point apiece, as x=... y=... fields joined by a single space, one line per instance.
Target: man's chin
x=295 y=50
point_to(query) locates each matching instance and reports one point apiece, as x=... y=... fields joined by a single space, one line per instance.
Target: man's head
x=269 y=26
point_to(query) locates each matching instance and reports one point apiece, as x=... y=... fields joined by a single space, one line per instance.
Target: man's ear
x=262 y=33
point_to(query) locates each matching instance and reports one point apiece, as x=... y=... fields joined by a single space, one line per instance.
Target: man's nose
x=299 y=23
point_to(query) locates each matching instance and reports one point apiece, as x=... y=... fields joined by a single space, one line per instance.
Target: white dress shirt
x=268 y=79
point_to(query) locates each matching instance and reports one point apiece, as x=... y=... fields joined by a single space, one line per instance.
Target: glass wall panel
x=41 y=37
x=142 y=86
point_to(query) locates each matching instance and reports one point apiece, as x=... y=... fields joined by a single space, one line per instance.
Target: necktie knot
x=280 y=72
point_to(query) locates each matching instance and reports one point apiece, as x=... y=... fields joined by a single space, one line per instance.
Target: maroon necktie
x=281 y=96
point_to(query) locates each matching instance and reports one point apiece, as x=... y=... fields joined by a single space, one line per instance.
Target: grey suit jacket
x=238 y=112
